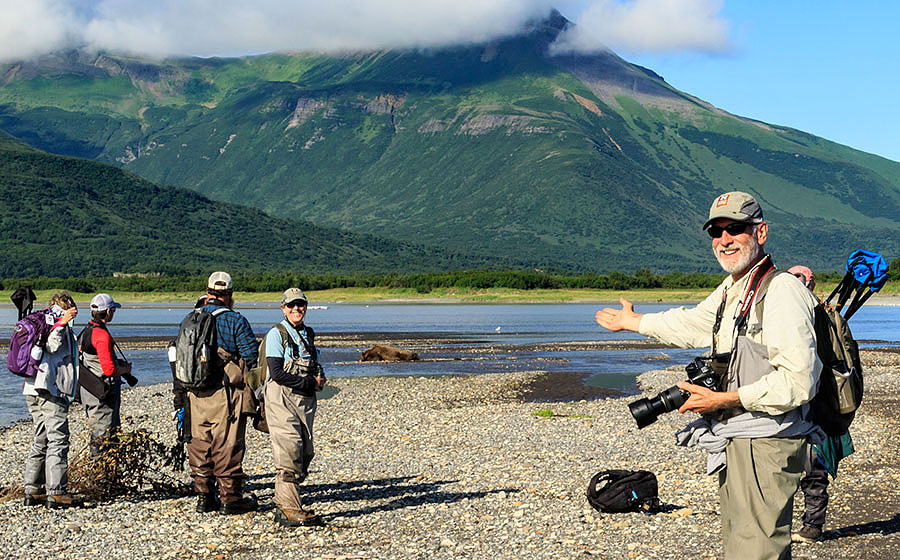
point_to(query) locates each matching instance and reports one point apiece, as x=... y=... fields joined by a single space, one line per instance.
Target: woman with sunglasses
x=294 y=377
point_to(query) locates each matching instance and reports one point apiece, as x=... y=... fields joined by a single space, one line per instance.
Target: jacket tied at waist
x=713 y=435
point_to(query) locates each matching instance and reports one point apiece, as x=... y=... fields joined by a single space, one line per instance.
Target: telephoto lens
x=646 y=411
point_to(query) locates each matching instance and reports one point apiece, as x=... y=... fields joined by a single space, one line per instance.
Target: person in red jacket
x=102 y=395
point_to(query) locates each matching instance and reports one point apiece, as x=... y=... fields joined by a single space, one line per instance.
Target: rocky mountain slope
x=585 y=163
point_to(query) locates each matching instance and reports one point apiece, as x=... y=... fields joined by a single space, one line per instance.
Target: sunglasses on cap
x=295 y=303
x=733 y=229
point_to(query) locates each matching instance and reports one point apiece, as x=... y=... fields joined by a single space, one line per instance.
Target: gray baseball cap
x=736 y=205
x=102 y=302
x=292 y=294
x=219 y=281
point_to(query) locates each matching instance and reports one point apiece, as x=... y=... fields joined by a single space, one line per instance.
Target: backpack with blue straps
x=618 y=491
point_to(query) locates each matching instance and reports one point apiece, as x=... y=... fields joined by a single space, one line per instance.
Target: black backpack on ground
x=618 y=491
x=197 y=364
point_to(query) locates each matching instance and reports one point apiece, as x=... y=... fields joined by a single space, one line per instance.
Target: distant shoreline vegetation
x=422 y=283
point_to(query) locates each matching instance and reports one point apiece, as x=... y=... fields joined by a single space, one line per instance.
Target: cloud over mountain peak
x=235 y=27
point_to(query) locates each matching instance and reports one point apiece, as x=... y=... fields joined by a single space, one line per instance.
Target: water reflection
x=451 y=338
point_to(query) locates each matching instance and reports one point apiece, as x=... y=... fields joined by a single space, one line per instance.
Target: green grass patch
x=548 y=413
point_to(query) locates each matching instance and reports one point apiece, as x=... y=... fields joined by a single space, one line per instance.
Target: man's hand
x=619 y=319
x=703 y=400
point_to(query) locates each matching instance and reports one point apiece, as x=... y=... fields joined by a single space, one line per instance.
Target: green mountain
x=64 y=216
x=585 y=163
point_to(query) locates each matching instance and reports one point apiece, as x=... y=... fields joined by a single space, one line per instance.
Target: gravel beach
x=462 y=467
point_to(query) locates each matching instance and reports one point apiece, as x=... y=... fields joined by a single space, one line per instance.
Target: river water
x=471 y=338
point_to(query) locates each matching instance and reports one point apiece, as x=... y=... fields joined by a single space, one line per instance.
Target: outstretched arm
x=619 y=319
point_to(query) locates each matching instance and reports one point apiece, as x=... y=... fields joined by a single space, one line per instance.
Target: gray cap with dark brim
x=738 y=206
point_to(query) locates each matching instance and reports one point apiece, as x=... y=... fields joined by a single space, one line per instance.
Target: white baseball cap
x=219 y=281
x=102 y=302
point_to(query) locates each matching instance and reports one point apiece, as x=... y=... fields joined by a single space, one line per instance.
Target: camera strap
x=759 y=273
x=116 y=346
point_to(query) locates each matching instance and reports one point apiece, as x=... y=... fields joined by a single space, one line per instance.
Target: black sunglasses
x=736 y=228
x=295 y=304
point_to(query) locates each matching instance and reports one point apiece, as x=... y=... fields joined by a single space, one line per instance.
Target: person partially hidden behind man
x=760 y=413
x=218 y=415
x=821 y=460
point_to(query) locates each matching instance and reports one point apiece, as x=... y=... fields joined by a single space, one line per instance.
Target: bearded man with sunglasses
x=770 y=373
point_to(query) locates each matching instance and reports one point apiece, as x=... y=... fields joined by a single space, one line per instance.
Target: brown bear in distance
x=379 y=353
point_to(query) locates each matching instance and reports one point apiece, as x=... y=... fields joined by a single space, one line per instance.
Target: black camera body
x=699 y=371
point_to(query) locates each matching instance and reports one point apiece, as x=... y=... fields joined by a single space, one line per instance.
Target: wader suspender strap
x=762 y=270
x=310 y=349
x=286 y=339
x=88 y=332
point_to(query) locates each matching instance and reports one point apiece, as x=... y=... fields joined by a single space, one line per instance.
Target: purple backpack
x=27 y=342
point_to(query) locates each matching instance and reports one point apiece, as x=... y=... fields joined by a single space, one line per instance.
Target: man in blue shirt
x=219 y=414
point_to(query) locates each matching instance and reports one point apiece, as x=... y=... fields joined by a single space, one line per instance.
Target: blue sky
x=827 y=67
x=830 y=68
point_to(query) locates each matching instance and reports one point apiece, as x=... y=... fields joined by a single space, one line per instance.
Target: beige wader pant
x=290 y=418
x=756 y=492
x=216 y=449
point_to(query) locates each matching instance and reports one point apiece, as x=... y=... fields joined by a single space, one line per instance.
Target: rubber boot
x=297 y=518
x=63 y=501
x=208 y=502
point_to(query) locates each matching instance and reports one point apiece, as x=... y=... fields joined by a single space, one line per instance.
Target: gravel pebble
x=461 y=467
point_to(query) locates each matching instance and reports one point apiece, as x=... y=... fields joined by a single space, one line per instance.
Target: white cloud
x=233 y=27
x=34 y=26
x=649 y=26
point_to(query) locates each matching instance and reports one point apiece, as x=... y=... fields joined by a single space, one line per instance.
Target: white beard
x=749 y=253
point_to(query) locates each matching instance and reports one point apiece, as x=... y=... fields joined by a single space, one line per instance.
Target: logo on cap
x=292 y=294
x=722 y=200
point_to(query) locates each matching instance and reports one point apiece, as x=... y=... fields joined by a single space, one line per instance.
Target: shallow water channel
x=450 y=339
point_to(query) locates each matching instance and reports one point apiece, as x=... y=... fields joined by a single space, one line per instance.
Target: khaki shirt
x=786 y=330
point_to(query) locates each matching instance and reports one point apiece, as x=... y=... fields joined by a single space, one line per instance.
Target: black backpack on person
x=196 y=351
x=618 y=491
